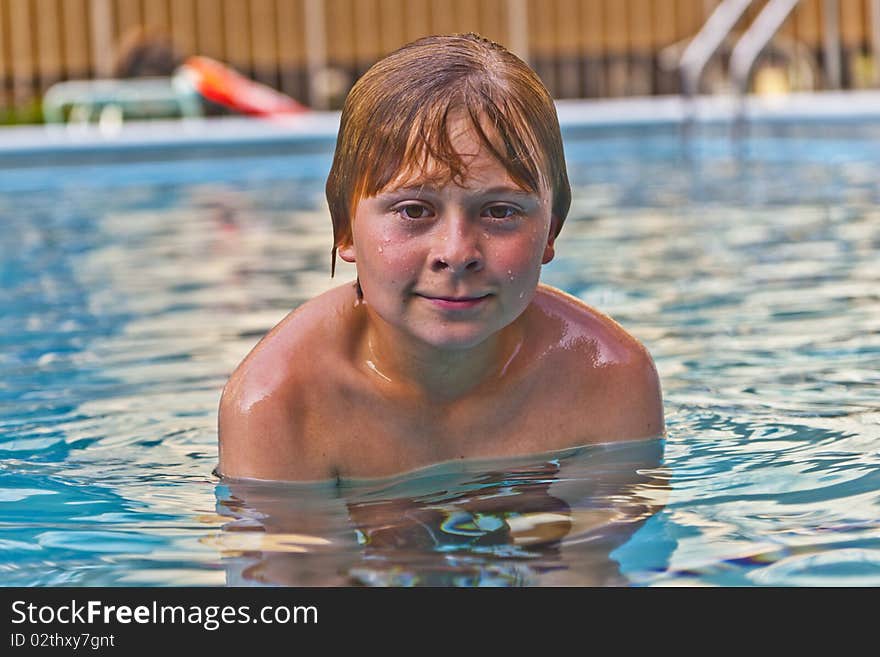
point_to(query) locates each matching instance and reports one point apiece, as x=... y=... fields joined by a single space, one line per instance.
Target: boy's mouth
x=455 y=302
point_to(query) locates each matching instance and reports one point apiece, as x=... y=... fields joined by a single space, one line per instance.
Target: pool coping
x=160 y=139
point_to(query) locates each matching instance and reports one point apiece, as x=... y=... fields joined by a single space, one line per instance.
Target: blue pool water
x=130 y=290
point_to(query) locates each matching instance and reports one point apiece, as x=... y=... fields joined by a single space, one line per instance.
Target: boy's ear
x=549 y=250
x=347 y=252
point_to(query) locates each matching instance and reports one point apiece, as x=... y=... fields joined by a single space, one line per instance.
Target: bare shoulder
x=610 y=370
x=265 y=405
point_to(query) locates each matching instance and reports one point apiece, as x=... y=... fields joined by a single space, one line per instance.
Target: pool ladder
x=746 y=51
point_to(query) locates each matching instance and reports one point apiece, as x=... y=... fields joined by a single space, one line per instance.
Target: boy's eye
x=501 y=211
x=413 y=211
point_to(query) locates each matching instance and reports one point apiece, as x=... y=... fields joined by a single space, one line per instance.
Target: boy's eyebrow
x=406 y=189
x=505 y=189
x=488 y=191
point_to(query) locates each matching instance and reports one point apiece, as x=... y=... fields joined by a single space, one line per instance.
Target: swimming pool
x=135 y=279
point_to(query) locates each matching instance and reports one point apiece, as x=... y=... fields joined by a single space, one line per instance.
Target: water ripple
x=131 y=292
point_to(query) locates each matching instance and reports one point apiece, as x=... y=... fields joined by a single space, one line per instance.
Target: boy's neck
x=436 y=375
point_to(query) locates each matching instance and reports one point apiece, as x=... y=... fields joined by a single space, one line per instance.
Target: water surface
x=131 y=291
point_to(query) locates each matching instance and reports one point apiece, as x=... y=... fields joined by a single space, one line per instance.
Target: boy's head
x=396 y=118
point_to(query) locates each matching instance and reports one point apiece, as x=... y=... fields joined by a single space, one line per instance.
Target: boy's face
x=447 y=265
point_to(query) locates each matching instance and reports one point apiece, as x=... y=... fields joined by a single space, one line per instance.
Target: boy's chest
x=374 y=436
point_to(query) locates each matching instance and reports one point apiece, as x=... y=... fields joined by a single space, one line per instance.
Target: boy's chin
x=456 y=340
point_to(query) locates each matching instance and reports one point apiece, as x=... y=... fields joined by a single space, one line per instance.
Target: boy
x=447 y=190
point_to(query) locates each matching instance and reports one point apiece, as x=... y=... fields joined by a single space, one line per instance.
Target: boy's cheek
x=528 y=254
x=390 y=264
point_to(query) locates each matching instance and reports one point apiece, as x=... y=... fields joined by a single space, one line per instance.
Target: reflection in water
x=551 y=519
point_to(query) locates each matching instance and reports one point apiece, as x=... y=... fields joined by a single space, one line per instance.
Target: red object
x=225 y=86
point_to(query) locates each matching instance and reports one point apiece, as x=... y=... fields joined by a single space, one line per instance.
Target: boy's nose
x=458 y=250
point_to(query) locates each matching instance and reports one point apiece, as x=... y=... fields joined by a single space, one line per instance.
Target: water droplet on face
x=380 y=249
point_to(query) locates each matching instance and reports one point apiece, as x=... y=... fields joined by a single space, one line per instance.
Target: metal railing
x=835 y=21
x=707 y=41
x=755 y=39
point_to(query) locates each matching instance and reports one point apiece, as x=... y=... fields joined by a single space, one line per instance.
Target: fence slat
x=5 y=72
x=291 y=34
x=806 y=22
x=665 y=33
x=689 y=17
x=128 y=17
x=290 y=37
x=366 y=32
x=541 y=26
x=48 y=32
x=155 y=13
x=210 y=30
x=444 y=16
x=21 y=51
x=264 y=48
x=492 y=20
x=182 y=17
x=472 y=17
x=315 y=44
x=568 y=51
x=73 y=17
x=788 y=29
x=641 y=46
x=590 y=26
x=340 y=41
x=417 y=19
x=568 y=32
x=391 y=25
x=641 y=22
x=852 y=24
x=616 y=16
x=236 y=34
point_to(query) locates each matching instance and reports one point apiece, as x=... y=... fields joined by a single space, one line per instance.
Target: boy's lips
x=455 y=302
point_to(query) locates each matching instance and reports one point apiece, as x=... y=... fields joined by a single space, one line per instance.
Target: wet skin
x=454 y=351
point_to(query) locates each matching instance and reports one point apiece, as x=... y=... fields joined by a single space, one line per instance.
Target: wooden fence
x=314 y=49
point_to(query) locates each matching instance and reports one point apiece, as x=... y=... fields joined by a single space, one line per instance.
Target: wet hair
x=395 y=121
